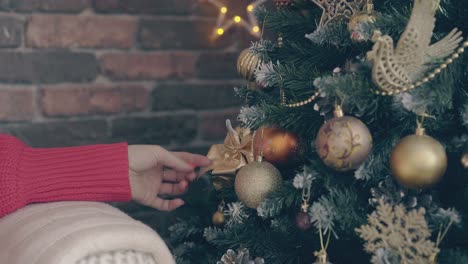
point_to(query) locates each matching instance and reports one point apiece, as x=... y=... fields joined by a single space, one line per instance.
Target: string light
x=226 y=20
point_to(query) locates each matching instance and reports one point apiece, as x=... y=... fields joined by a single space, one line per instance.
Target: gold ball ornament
x=218 y=218
x=344 y=142
x=418 y=161
x=464 y=159
x=247 y=63
x=255 y=181
x=276 y=145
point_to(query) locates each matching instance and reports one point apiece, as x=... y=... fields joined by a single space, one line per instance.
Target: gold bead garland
x=301 y=103
x=430 y=76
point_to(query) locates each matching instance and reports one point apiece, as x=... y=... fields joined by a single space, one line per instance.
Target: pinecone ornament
x=241 y=257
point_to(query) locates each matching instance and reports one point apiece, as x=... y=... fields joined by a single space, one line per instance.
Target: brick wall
x=145 y=71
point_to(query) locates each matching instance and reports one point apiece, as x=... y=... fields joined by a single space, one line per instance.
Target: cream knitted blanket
x=78 y=232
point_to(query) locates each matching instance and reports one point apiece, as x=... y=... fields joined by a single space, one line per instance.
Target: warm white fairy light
x=226 y=19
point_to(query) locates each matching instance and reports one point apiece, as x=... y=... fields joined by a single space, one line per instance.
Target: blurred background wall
x=79 y=72
x=76 y=72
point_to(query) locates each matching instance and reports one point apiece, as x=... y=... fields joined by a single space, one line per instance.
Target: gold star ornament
x=232 y=14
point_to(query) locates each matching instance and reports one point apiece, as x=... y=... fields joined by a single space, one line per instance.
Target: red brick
x=217 y=65
x=194 y=96
x=12 y=30
x=61 y=133
x=4 y=4
x=149 y=66
x=66 y=31
x=153 y=7
x=50 y=5
x=213 y=124
x=162 y=130
x=16 y=103
x=47 y=66
x=66 y=100
x=180 y=34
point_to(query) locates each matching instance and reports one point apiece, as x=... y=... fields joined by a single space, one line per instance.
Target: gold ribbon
x=229 y=157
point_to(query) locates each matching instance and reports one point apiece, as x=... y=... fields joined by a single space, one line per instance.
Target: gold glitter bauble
x=218 y=218
x=418 y=161
x=247 y=64
x=344 y=142
x=255 y=181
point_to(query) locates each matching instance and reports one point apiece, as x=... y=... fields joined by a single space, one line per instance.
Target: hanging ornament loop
x=370 y=7
x=420 y=130
x=221 y=206
x=322 y=255
x=306 y=198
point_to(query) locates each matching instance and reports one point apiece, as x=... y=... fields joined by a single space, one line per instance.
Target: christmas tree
x=353 y=141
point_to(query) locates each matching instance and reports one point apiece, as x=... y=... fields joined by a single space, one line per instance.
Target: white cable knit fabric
x=119 y=257
x=73 y=232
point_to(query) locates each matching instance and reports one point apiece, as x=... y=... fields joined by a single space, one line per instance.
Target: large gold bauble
x=276 y=145
x=418 y=161
x=344 y=143
x=247 y=64
x=255 y=181
x=218 y=218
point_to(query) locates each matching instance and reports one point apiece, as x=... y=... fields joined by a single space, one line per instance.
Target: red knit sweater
x=88 y=173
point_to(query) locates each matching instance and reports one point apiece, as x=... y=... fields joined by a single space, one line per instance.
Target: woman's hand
x=155 y=171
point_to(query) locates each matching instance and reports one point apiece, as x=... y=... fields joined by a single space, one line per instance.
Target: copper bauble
x=247 y=63
x=344 y=142
x=255 y=181
x=418 y=161
x=218 y=218
x=303 y=221
x=276 y=145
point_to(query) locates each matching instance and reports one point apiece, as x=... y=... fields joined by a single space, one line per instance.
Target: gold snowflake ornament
x=404 y=233
x=403 y=68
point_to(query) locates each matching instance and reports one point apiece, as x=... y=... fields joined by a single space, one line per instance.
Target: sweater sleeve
x=87 y=173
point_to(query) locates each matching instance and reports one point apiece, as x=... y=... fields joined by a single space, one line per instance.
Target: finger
x=193 y=159
x=171 y=175
x=184 y=176
x=166 y=205
x=191 y=176
x=168 y=159
x=173 y=188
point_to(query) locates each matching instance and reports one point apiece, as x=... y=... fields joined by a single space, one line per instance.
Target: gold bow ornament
x=229 y=157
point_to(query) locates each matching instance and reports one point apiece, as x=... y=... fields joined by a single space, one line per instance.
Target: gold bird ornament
x=406 y=67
